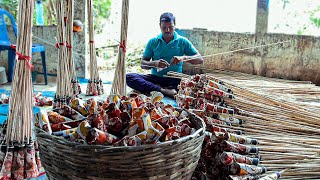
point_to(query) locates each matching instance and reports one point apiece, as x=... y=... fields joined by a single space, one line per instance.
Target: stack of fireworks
x=18 y=161
x=118 y=121
x=226 y=153
x=38 y=100
x=94 y=88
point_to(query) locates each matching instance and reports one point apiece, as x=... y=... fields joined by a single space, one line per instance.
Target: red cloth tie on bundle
x=22 y=57
x=123 y=46
x=68 y=46
x=60 y=44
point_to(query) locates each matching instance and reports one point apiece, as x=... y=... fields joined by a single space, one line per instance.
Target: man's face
x=167 y=29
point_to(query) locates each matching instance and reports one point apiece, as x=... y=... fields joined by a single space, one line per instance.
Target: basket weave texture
x=168 y=160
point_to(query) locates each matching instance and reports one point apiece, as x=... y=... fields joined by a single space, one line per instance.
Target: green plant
x=101 y=13
x=11 y=6
x=314 y=17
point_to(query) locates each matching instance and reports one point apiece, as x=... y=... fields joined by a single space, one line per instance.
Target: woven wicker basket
x=169 y=160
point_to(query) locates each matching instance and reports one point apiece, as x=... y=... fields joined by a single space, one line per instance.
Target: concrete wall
x=298 y=59
x=45 y=35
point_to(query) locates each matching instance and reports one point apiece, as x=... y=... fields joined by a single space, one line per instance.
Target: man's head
x=167 y=23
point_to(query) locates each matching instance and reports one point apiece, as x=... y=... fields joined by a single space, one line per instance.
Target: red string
x=22 y=57
x=68 y=45
x=13 y=46
x=26 y=58
x=60 y=44
x=123 y=46
x=91 y=42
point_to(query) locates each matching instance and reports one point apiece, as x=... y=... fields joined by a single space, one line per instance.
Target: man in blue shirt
x=163 y=54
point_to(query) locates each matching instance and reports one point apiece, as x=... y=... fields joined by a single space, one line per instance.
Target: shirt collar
x=175 y=37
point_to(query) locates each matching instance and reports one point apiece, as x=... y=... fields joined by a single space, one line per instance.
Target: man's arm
x=195 y=59
x=147 y=64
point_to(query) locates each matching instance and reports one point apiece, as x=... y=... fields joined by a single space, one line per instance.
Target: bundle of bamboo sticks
x=76 y=89
x=95 y=85
x=119 y=81
x=20 y=114
x=288 y=132
x=64 y=90
x=17 y=154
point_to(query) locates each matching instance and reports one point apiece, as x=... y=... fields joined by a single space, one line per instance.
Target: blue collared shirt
x=157 y=49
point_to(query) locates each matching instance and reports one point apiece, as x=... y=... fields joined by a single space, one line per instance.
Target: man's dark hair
x=167 y=17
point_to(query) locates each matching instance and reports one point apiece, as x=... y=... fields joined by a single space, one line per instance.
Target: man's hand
x=161 y=63
x=177 y=59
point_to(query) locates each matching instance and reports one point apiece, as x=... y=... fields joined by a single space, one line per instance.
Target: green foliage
x=11 y=6
x=314 y=17
x=101 y=13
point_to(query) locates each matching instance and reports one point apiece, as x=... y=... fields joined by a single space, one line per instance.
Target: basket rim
x=200 y=132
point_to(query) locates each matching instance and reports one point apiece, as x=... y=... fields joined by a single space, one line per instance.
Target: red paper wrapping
x=126 y=141
x=31 y=169
x=5 y=173
x=56 y=118
x=96 y=121
x=59 y=127
x=114 y=124
x=238 y=148
x=227 y=158
x=39 y=100
x=212 y=128
x=18 y=163
x=96 y=136
x=140 y=100
x=169 y=109
x=67 y=111
x=92 y=88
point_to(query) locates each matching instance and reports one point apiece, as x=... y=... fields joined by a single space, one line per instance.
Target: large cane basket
x=175 y=159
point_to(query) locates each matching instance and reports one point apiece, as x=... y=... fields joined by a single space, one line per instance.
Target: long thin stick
x=237 y=50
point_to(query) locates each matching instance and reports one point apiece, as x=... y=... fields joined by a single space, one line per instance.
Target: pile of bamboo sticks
x=302 y=93
x=288 y=132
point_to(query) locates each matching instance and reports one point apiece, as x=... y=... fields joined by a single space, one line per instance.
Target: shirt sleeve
x=148 y=51
x=189 y=49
